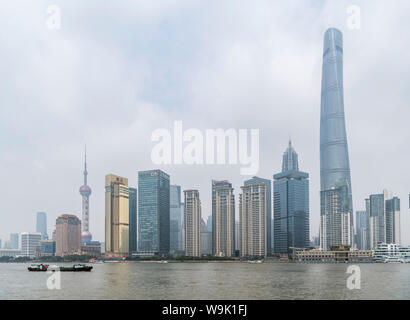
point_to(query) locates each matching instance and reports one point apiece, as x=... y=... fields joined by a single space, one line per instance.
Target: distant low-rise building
x=10 y=253
x=337 y=253
x=91 y=248
x=47 y=248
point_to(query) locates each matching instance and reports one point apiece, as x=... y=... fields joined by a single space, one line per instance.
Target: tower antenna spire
x=85 y=165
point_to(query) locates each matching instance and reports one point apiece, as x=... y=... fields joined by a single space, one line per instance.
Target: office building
x=291 y=205
x=176 y=220
x=14 y=241
x=47 y=248
x=41 y=225
x=29 y=243
x=206 y=238
x=336 y=209
x=133 y=219
x=361 y=230
x=153 y=212
x=116 y=216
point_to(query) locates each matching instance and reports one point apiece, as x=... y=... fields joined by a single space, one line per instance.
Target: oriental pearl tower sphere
x=85 y=192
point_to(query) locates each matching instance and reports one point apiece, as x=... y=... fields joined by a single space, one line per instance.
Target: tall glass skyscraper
x=291 y=205
x=41 y=225
x=336 y=209
x=133 y=219
x=176 y=220
x=361 y=230
x=153 y=212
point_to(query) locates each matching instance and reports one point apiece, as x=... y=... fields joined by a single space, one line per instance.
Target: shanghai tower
x=336 y=212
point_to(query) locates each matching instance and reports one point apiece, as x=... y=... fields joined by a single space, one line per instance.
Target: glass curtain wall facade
x=153 y=212
x=336 y=210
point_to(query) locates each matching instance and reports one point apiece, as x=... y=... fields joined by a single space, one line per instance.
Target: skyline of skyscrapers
x=336 y=208
x=380 y=222
x=290 y=205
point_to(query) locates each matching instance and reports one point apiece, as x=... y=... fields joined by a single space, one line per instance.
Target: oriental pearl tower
x=85 y=192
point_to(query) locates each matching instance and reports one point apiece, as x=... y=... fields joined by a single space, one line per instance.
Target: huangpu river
x=213 y=280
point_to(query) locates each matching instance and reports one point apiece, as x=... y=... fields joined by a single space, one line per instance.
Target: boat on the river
x=53 y=268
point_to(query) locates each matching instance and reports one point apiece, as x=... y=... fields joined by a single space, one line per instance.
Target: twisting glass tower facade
x=336 y=212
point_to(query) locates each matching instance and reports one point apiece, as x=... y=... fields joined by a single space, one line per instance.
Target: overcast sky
x=117 y=70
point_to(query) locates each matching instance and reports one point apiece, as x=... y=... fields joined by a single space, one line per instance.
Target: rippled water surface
x=136 y=280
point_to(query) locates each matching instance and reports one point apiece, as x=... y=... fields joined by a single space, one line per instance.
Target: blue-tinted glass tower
x=153 y=212
x=290 y=205
x=336 y=210
x=41 y=225
x=133 y=219
x=176 y=219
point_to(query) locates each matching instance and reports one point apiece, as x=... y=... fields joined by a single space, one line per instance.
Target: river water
x=218 y=280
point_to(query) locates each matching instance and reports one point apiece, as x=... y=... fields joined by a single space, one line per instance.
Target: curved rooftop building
x=336 y=212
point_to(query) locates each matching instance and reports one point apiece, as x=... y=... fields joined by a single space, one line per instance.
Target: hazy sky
x=116 y=71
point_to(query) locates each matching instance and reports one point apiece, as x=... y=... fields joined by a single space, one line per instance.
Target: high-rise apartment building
x=290 y=205
x=68 y=235
x=116 y=215
x=223 y=219
x=384 y=219
x=393 y=220
x=336 y=209
x=133 y=219
x=268 y=206
x=192 y=223
x=252 y=214
x=153 y=212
